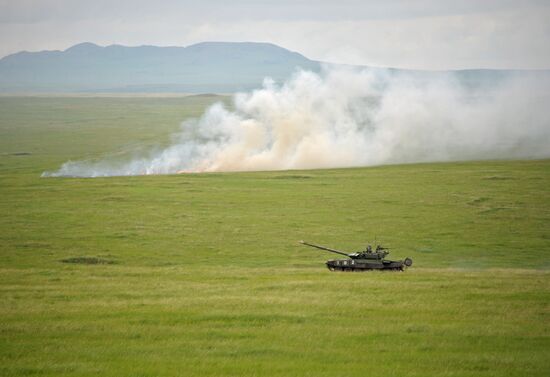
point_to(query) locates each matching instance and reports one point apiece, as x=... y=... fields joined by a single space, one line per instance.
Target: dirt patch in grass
x=292 y=177
x=87 y=260
x=497 y=178
x=17 y=154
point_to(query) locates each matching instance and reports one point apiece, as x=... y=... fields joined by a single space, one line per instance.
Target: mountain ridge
x=211 y=66
x=201 y=67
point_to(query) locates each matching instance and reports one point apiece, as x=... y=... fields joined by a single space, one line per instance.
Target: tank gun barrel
x=325 y=248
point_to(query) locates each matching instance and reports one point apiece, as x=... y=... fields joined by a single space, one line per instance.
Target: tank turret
x=363 y=260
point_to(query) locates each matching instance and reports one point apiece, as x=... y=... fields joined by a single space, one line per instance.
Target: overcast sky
x=422 y=34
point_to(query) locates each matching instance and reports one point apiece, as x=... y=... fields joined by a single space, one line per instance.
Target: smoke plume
x=348 y=117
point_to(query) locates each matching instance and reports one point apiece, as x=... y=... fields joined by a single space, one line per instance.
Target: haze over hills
x=199 y=68
x=202 y=67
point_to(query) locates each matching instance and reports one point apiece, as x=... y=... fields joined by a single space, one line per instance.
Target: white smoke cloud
x=348 y=117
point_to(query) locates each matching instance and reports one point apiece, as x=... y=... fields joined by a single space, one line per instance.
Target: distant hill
x=200 y=68
x=203 y=67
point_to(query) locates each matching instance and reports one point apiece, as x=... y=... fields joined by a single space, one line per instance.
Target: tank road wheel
x=331 y=268
x=408 y=262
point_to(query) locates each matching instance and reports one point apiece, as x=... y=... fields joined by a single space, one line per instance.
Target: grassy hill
x=201 y=275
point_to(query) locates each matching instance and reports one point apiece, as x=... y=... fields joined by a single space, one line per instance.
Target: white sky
x=422 y=34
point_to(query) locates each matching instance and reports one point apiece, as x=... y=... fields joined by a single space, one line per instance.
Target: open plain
x=202 y=274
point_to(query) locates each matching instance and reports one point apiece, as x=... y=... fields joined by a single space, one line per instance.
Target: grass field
x=203 y=275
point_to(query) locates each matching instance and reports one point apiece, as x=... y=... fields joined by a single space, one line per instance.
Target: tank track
x=350 y=269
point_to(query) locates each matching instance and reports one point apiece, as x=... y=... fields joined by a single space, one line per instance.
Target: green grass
x=201 y=275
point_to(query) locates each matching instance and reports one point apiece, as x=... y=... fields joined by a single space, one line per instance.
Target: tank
x=363 y=260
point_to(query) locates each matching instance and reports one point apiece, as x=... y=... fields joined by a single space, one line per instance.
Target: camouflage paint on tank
x=363 y=260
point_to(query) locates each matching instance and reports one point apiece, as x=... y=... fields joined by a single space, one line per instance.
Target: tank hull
x=364 y=265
